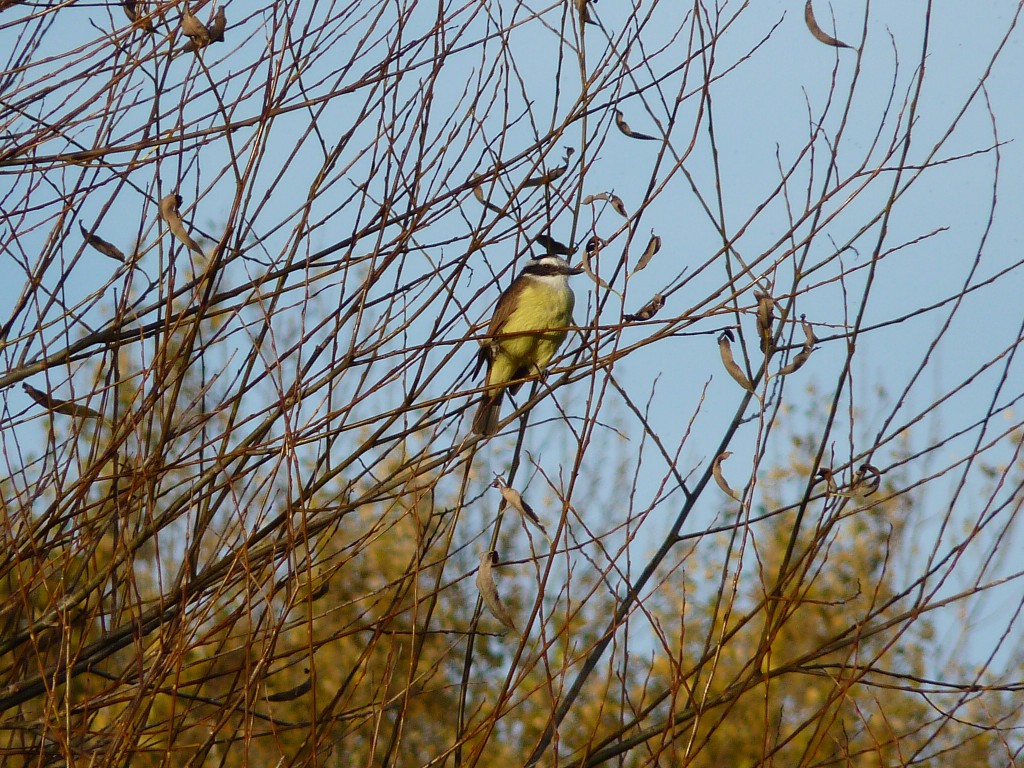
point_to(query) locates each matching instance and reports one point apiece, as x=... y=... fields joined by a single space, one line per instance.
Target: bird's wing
x=503 y=311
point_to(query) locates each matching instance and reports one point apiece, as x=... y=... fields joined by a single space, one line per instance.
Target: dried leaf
x=622 y=125
x=820 y=34
x=551 y=245
x=489 y=590
x=218 y=23
x=169 y=211
x=618 y=206
x=593 y=247
x=515 y=500
x=194 y=29
x=653 y=246
x=107 y=249
x=293 y=693
x=64 y=407
x=546 y=178
x=648 y=310
x=801 y=357
x=716 y=472
x=725 y=348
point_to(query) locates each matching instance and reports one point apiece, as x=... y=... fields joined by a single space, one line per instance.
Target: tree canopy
x=761 y=509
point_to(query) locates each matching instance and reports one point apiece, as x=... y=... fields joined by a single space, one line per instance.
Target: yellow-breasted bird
x=529 y=325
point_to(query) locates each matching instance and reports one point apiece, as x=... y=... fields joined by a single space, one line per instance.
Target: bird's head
x=548 y=265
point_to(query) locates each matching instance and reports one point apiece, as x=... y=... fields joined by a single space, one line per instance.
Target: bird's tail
x=488 y=414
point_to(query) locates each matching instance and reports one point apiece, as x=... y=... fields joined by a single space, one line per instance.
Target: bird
x=529 y=324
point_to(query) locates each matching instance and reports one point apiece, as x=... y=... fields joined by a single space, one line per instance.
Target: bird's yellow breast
x=541 y=315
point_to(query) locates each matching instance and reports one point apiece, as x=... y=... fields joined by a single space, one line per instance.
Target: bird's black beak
x=576 y=270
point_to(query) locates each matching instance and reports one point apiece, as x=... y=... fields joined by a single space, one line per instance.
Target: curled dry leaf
x=820 y=34
x=653 y=246
x=293 y=693
x=716 y=472
x=622 y=125
x=801 y=357
x=551 y=245
x=107 y=249
x=546 y=178
x=725 y=349
x=489 y=590
x=515 y=500
x=64 y=407
x=765 y=318
x=648 y=310
x=169 y=211
x=194 y=29
x=593 y=248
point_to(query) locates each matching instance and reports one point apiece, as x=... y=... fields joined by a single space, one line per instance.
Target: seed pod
x=478 y=193
x=801 y=357
x=63 y=407
x=616 y=202
x=194 y=30
x=725 y=349
x=593 y=248
x=622 y=125
x=546 y=178
x=169 y=211
x=653 y=246
x=826 y=474
x=648 y=310
x=581 y=7
x=716 y=472
x=107 y=249
x=618 y=206
x=820 y=34
x=293 y=693
x=489 y=590
x=866 y=481
x=515 y=500
x=217 y=25
x=138 y=18
x=765 y=318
